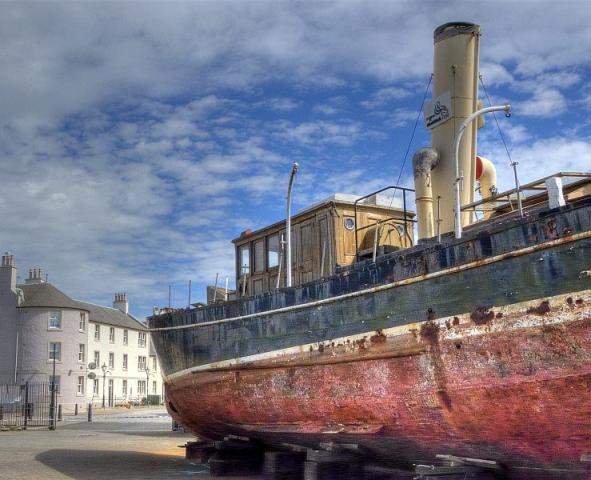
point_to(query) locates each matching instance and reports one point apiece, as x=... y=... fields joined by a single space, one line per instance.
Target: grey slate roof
x=111 y=316
x=46 y=295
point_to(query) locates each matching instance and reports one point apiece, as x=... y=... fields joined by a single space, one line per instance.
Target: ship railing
x=393 y=220
x=530 y=194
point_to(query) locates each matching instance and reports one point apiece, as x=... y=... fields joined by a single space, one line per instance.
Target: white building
x=98 y=352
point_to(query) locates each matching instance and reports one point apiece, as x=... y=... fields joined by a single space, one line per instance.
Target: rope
x=414 y=129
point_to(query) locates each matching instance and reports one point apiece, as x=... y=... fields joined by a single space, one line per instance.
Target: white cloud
x=282 y=104
x=544 y=103
x=384 y=96
x=495 y=74
x=322 y=132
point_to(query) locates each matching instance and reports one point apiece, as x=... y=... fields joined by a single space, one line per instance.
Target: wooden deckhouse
x=329 y=234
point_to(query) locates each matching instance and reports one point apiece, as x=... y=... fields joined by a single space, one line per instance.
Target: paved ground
x=135 y=444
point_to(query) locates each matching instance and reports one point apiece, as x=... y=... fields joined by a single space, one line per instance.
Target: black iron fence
x=27 y=405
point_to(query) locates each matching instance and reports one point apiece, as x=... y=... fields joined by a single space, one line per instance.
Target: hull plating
x=515 y=388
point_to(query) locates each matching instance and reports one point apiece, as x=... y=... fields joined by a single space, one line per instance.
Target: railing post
x=26 y=404
x=518 y=188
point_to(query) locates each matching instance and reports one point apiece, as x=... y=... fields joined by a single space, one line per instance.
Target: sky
x=137 y=139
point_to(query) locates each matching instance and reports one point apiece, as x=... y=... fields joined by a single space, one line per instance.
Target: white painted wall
x=34 y=339
x=118 y=374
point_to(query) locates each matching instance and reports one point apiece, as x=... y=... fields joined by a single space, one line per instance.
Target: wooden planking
x=320 y=243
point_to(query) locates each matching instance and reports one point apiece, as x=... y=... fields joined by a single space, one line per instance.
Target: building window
x=141 y=387
x=82 y=325
x=141 y=363
x=141 y=339
x=154 y=387
x=273 y=251
x=81 y=352
x=81 y=385
x=125 y=361
x=125 y=337
x=54 y=382
x=97 y=332
x=55 y=320
x=153 y=362
x=244 y=260
x=124 y=387
x=55 y=351
x=95 y=386
x=112 y=335
x=111 y=360
x=97 y=359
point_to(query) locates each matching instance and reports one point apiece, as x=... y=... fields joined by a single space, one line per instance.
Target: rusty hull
x=510 y=384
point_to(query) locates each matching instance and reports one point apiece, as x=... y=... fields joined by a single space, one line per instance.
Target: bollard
x=90 y=412
x=59 y=413
x=75 y=409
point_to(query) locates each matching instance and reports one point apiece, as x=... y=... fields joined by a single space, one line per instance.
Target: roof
x=383 y=202
x=111 y=316
x=46 y=295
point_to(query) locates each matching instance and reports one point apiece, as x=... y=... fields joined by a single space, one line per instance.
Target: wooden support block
x=284 y=465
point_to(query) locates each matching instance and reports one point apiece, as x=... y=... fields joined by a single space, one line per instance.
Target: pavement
x=129 y=445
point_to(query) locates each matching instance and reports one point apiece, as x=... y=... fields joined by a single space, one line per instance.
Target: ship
x=472 y=340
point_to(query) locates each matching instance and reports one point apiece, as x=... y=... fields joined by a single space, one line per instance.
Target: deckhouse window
x=273 y=251
x=259 y=256
x=244 y=260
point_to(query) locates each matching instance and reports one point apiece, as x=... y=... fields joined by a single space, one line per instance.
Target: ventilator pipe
x=425 y=160
x=486 y=174
x=458 y=139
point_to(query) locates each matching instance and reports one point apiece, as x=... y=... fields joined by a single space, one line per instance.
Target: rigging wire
x=496 y=121
x=414 y=129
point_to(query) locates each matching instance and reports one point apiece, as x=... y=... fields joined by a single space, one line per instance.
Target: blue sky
x=137 y=139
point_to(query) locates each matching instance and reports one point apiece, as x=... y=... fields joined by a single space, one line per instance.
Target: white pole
x=458 y=139
x=294 y=170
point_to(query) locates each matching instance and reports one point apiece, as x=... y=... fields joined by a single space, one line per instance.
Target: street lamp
x=105 y=371
x=147 y=382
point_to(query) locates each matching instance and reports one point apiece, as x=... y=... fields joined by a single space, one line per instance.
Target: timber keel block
x=331 y=465
x=234 y=458
x=284 y=465
x=453 y=468
x=199 y=452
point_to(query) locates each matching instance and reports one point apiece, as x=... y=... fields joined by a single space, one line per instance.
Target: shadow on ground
x=105 y=464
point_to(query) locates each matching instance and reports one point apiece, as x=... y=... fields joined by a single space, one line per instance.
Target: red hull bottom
x=515 y=389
